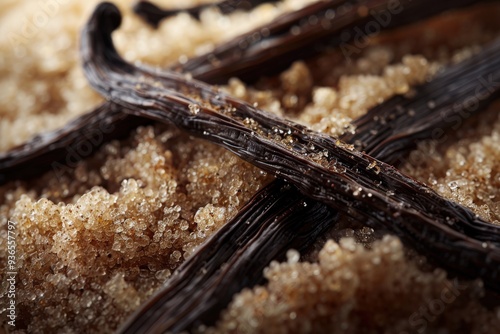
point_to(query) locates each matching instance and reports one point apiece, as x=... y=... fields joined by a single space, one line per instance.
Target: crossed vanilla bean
x=321 y=167
x=174 y=308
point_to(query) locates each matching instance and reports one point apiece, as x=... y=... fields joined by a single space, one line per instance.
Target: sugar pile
x=97 y=241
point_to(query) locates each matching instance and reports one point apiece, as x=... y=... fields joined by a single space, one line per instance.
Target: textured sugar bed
x=95 y=242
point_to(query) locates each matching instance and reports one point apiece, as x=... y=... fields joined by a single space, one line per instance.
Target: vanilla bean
x=63 y=148
x=446 y=102
x=308 y=31
x=321 y=167
x=233 y=258
x=153 y=14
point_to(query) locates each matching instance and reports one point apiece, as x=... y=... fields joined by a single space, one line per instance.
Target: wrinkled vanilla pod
x=153 y=14
x=273 y=47
x=446 y=102
x=63 y=148
x=232 y=259
x=321 y=167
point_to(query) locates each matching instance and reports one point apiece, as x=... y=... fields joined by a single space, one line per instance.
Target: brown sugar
x=355 y=290
x=95 y=242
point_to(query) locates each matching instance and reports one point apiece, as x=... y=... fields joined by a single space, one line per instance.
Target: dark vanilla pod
x=61 y=149
x=398 y=123
x=153 y=14
x=308 y=31
x=276 y=219
x=446 y=102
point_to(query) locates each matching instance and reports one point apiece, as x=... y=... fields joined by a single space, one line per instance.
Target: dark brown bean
x=308 y=31
x=61 y=149
x=153 y=14
x=276 y=219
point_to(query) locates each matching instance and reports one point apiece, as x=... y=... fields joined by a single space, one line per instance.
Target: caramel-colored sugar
x=96 y=241
x=94 y=260
x=355 y=290
x=40 y=72
x=465 y=168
